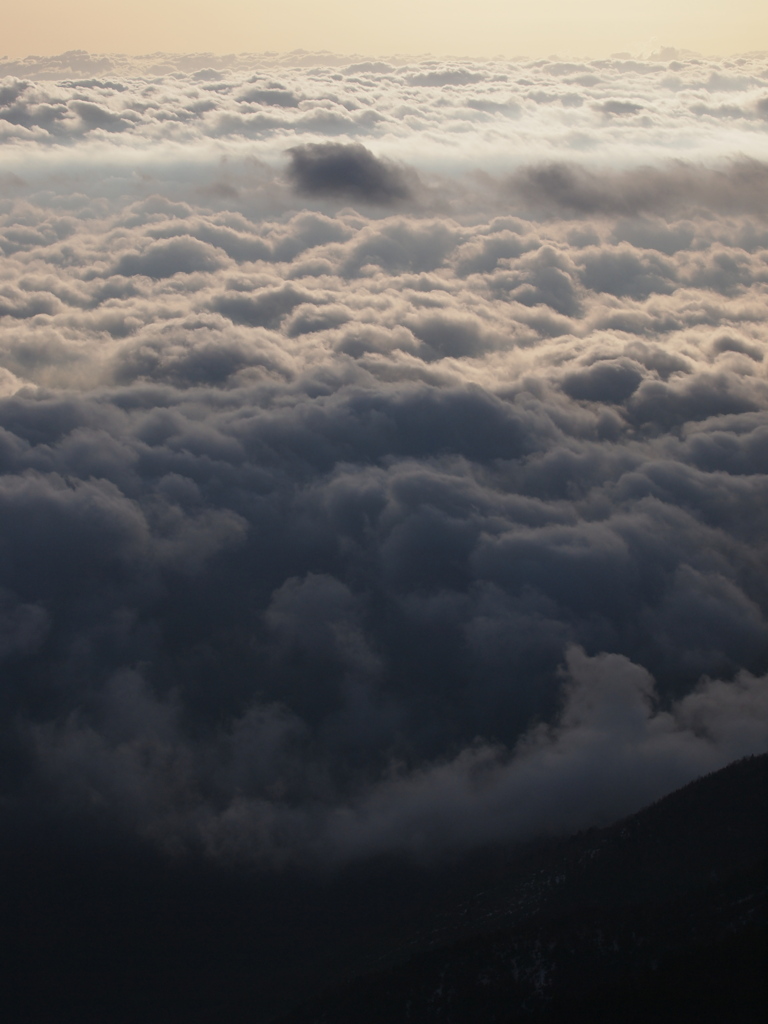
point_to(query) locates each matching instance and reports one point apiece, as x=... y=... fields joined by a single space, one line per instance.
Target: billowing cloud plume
x=557 y=778
x=383 y=445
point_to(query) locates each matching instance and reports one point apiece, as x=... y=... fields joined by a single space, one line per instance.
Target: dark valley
x=660 y=917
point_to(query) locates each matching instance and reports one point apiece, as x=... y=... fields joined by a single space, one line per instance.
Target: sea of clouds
x=384 y=444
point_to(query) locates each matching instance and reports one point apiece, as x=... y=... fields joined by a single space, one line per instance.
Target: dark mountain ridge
x=662 y=913
x=658 y=917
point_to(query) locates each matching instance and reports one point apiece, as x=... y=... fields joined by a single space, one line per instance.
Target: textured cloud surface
x=384 y=447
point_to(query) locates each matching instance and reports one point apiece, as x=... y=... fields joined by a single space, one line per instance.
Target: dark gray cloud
x=573 y=190
x=348 y=170
x=446 y=76
x=609 y=380
x=618 y=106
x=388 y=503
x=271 y=94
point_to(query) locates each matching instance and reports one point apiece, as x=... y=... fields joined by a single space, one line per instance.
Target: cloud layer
x=384 y=447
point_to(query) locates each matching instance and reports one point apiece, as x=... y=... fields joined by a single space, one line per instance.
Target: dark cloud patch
x=612 y=380
x=182 y=255
x=543 y=278
x=350 y=170
x=669 y=405
x=573 y=190
x=195 y=354
x=240 y=245
x=724 y=110
x=626 y=272
x=727 y=343
x=453 y=336
x=274 y=97
x=11 y=91
x=447 y=76
x=265 y=308
x=726 y=270
x=94 y=116
x=309 y=318
x=654 y=233
x=493 y=106
x=207 y=75
x=401 y=246
x=22 y=305
x=484 y=254
x=619 y=107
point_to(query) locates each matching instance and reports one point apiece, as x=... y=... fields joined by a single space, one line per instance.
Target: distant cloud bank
x=384 y=445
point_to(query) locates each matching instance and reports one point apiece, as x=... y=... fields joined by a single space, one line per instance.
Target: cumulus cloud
x=342 y=403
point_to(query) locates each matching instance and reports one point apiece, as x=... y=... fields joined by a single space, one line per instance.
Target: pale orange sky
x=477 y=28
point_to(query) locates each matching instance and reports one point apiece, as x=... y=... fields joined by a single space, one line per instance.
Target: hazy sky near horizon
x=484 y=28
